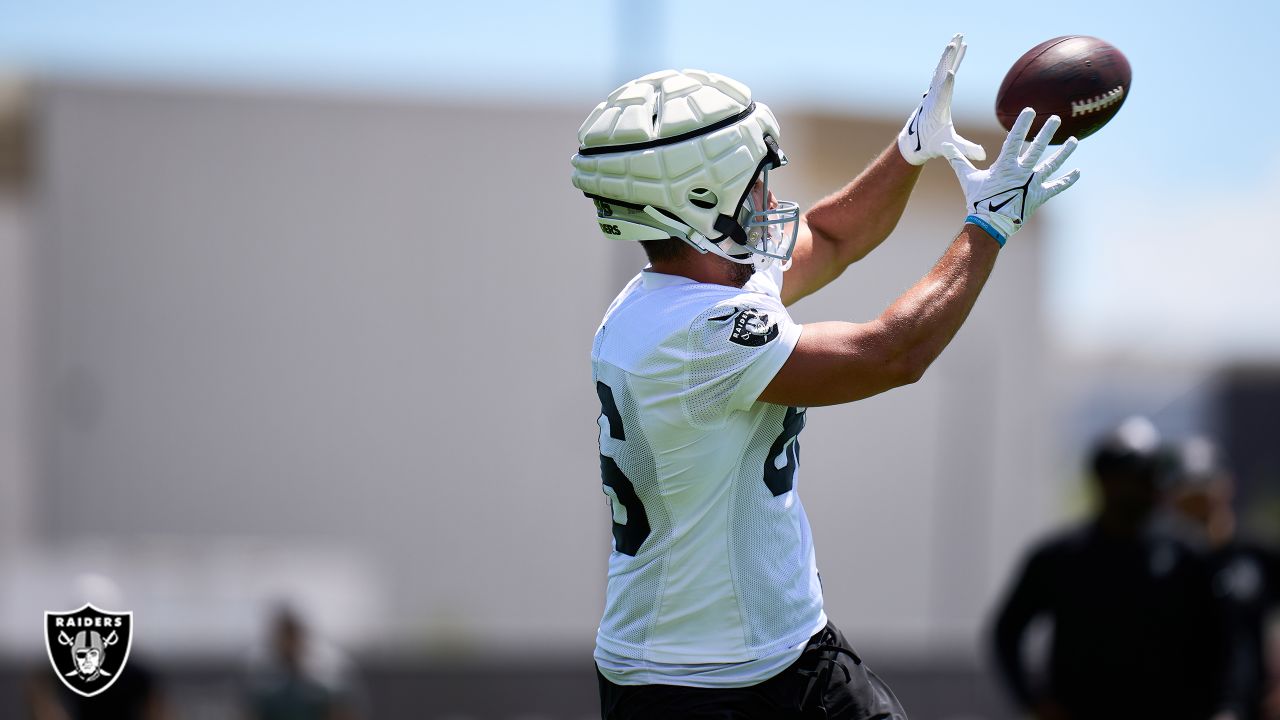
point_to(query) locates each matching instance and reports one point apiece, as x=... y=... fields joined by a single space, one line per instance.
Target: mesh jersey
x=712 y=578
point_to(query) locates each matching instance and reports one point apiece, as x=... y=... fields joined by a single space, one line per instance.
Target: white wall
x=17 y=495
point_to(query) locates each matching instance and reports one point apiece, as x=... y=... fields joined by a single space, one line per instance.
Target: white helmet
x=677 y=154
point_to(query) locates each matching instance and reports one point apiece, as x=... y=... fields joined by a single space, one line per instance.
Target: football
x=1081 y=79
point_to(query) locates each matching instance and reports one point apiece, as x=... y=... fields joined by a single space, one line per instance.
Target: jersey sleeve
x=734 y=350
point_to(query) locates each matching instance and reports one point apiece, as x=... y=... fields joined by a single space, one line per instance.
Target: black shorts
x=828 y=681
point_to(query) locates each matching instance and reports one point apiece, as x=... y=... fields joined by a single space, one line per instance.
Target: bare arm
x=841 y=362
x=848 y=224
x=838 y=362
x=844 y=227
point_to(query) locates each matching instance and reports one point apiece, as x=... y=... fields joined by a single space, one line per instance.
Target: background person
x=1245 y=574
x=295 y=677
x=1134 y=632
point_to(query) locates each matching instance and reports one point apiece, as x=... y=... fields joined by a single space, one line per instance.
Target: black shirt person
x=1245 y=574
x=1134 y=632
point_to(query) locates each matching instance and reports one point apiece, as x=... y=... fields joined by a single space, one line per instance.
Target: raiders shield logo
x=753 y=329
x=88 y=647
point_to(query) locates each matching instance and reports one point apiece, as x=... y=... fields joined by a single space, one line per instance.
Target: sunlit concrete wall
x=17 y=476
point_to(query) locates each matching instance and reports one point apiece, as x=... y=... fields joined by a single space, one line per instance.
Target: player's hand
x=929 y=126
x=1001 y=198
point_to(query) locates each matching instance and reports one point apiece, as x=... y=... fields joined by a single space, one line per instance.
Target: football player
x=714 y=606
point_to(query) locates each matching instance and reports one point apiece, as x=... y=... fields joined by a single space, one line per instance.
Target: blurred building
x=336 y=348
x=355 y=322
x=15 y=311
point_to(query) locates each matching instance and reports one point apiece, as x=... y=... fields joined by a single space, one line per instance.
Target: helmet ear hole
x=703 y=198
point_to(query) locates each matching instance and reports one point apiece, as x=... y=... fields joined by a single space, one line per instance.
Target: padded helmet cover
x=671 y=137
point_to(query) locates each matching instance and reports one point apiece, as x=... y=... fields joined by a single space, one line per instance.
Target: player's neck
x=703 y=268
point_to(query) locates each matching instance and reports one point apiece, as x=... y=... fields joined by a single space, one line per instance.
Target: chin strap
x=697 y=240
x=677 y=228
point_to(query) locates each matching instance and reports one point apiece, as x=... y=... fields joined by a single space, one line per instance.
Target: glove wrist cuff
x=985 y=225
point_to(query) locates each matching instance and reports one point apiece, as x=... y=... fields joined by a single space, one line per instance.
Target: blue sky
x=1166 y=247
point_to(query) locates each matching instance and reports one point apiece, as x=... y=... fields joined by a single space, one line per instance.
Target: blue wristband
x=986 y=226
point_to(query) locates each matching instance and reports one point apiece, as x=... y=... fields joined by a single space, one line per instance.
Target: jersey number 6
x=630 y=522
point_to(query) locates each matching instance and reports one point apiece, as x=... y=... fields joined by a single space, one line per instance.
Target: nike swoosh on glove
x=929 y=126
x=1001 y=198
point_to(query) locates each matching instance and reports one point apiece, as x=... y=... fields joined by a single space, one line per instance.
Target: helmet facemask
x=771 y=225
x=764 y=229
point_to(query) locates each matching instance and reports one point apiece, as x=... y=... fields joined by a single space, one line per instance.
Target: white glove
x=1001 y=198
x=930 y=125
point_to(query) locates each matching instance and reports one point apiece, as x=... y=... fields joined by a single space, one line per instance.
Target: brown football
x=1081 y=79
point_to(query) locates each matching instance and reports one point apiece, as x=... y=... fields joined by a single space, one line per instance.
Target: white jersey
x=712 y=578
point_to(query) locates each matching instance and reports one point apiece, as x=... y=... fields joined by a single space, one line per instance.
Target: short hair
x=665 y=249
